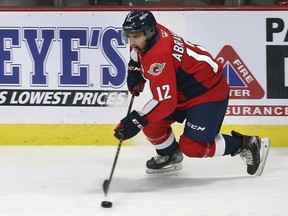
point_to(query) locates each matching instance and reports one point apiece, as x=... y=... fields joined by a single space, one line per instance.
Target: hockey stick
x=107 y=182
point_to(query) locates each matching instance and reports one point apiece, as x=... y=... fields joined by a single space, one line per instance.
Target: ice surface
x=67 y=181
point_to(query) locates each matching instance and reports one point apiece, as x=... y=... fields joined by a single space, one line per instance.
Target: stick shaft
x=107 y=182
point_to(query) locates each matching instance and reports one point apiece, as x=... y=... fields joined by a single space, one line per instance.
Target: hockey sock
x=168 y=150
x=232 y=144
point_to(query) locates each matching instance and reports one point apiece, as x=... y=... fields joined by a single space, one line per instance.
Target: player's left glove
x=130 y=126
x=135 y=80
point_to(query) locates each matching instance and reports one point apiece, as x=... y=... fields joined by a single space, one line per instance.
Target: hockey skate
x=164 y=164
x=254 y=152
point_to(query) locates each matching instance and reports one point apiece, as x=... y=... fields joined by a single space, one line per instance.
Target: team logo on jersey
x=156 y=68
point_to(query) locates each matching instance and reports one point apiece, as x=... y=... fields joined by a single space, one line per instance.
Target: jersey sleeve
x=160 y=72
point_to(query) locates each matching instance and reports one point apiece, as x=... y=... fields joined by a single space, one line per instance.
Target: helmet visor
x=135 y=38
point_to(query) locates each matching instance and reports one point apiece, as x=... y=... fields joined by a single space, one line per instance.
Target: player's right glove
x=135 y=80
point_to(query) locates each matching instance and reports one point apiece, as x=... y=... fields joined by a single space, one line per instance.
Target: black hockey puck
x=106 y=204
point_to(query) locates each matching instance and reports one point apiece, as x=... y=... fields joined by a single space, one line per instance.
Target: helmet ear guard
x=150 y=32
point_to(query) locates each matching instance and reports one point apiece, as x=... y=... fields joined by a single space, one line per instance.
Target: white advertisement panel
x=62 y=67
x=70 y=67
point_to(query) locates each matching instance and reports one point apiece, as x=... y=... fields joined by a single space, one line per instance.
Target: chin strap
x=151 y=41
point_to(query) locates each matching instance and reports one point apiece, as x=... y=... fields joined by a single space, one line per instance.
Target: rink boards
x=63 y=73
x=99 y=135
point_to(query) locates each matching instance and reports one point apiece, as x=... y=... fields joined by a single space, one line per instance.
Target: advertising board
x=69 y=67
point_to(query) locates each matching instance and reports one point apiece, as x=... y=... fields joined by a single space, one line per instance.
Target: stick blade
x=106 y=184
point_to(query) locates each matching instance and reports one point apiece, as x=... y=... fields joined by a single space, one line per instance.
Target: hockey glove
x=135 y=80
x=130 y=126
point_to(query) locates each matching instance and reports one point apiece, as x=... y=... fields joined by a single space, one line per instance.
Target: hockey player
x=188 y=85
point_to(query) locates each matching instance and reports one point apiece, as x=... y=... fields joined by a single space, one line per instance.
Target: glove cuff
x=140 y=118
x=137 y=119
x=133 y=63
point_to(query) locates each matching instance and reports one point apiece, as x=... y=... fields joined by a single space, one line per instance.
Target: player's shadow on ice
x=166 y=181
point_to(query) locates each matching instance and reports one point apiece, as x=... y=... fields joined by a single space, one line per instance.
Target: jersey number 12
x=163 y=92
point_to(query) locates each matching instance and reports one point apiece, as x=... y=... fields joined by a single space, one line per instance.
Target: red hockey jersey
x=180 y=74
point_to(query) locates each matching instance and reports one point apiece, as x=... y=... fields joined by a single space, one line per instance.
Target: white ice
x=67 y=181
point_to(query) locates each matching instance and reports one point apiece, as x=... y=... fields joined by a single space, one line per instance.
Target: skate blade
x=167 y=169
x=265 y=146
